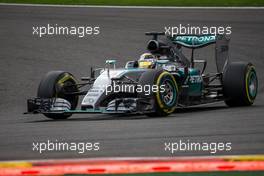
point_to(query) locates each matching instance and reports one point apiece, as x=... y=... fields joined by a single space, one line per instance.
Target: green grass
x=146 y=2
x=189 y=174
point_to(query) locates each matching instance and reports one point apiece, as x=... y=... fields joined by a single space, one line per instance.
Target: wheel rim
x=169 y=95
x=71 y=98
x=252 y=84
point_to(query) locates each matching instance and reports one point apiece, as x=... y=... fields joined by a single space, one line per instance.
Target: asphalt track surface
x=24 y=58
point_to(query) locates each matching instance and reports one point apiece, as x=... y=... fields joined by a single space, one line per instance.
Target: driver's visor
x=144 y=64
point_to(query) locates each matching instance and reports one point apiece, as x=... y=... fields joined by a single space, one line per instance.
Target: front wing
x=116 y=106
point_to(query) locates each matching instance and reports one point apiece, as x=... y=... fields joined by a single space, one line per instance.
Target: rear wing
x=199 y=41
x=193 y=41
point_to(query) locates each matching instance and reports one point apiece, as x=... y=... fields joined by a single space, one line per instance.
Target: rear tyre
x=53 y=84
x=165 y=99
x=240 y=84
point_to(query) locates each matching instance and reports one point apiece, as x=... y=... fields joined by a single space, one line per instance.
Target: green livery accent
x=194 y=81
x=193 y=41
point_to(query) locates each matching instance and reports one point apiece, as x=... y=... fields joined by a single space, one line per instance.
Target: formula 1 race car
x=155 y=85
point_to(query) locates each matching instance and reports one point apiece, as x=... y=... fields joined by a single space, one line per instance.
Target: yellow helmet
x=146 y=60
x=146 y=56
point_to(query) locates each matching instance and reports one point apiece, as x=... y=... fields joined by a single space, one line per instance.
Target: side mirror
x=92 y=75
x=131 y=64
x=110 y=62
x=96 y=72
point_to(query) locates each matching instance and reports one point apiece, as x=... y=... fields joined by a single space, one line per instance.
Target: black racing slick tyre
x=165 y=99
x=53 y=84
x=240 y=84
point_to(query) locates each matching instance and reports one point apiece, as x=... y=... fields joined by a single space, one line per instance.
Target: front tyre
x=240 y=84
x=54 y=85
x=165 y=99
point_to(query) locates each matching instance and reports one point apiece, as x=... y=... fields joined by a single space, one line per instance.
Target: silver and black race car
x=155 y=85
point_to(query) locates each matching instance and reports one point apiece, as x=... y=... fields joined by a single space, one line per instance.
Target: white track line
x=124 y=7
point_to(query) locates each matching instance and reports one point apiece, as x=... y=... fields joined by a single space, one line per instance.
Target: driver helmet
x=147 y=56
x=147 y=60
